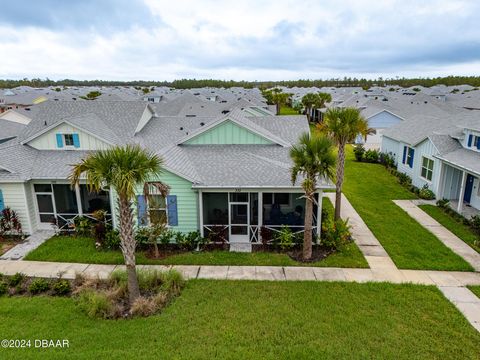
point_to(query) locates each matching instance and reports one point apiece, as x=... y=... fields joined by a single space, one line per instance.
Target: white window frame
x=427 y=169
x=64 y=139
x=154 y=192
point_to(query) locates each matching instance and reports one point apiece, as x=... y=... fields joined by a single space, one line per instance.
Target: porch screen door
x=239 y=222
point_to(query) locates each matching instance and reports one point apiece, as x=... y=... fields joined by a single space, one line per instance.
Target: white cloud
x=252 y=40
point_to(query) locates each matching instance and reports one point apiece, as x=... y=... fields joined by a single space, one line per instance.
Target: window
x=276 y=198
x=408 y=154
x=427 y=168
x=157 y=209
x=473 y=142
x=68 y=139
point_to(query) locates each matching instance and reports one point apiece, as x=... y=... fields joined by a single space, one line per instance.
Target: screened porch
x=239 y=216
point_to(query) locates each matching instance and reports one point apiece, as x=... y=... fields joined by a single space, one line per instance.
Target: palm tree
x=308 y=102
x=123 y=168
x=343 y=125
x=313 y=159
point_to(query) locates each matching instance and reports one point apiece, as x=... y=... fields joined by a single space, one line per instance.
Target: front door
x=468 y=189
x=239 y=222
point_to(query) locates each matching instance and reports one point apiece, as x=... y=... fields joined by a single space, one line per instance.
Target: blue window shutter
x=59 y=140
x=172 y=210
x=404 y=154
x=142 y=210
x=412 y=153
x=478 y=142
x=76 y=140
x=2 y=203
x=470 y=138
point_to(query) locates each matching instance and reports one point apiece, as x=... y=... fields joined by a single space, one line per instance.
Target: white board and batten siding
x=428 y=150
x=390 y=146
x=452 y=179
x=14 y=197
x=48 y=141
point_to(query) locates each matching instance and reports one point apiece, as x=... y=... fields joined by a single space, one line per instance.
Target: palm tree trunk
x=340 y=176
x=307 y=236
x=127 y=244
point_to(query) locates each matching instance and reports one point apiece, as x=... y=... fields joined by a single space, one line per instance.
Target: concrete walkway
x=32 y=242
x=274 y=273
x=450 y=240
x=465 y=301
x=376 y=256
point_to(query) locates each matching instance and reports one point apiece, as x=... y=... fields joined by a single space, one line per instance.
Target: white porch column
x=441 y=181
x=462 y=192
x=200 y=210
x=113 y=208
x=79 y=200
x=260 y=215
x=319 y=215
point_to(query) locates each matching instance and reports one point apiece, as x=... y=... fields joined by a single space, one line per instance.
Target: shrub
x=172 y=282
x=371 y=156
x=426 y=193
x=96 y=304
x=166 y=237
x=16 y=279
x=38 y=286
x=475 y=224
x=142 y=236
x=144 y=307
x=61 y=287
x=190 y=241
x=335 y=234
x=3 y=288
x=149 y=280
x=359 y=150
x=112 y=240
x=443 y=203
x=9 y=222
x=285 y=238
x=83 y=226
x=387 y=160
x=404 y=179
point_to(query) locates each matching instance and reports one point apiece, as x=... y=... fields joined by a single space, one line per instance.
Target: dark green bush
x=285 y=238
x=83 y=226
x=38 y=286
x=359 y=150
x=61 y=287
x=371 y=156
x=3 y=288
x=112 y=240
x=404 y=179
x=16 y=279
x=443 y=203
x=387 y=160
x=426 y=193
x=335 y=234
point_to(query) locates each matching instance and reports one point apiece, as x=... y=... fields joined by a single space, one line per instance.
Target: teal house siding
x=228 y=133
x=187 y=201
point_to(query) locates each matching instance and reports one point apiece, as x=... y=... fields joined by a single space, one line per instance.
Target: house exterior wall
x=383 y=120
x=428 y=150
x=48 y=140
x=452 y=179
x=31 y=206
x=227 y=133
x=405 y=168
x=390 y=146
x=14 y=198
x=187 y=201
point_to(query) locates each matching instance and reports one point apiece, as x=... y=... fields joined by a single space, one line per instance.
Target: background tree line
x=198 y=83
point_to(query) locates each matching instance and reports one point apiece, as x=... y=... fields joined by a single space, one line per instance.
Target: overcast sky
x=241 y=39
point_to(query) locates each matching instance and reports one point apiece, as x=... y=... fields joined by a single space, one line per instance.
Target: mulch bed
x=317 y=254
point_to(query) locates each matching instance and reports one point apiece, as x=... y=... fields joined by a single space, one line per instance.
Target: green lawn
x=455 y=226
x=371 y=188
x=287 y=110
x=82 y=250
x=255 y=320
x=475 y=289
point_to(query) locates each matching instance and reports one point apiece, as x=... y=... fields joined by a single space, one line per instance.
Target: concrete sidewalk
x=272 y=273
x=450 y=240
x=376 y=256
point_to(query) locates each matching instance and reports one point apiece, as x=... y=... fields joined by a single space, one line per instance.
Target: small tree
x=122 y=168
x=313 y=159
x=343 y=125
